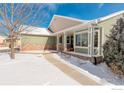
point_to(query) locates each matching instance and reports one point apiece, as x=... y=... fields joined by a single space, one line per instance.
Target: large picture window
x=84 y=39
x=78 y=39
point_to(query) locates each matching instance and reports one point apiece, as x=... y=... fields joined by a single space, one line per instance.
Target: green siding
x=106 y=26
x=81 y=50
x=40 y=40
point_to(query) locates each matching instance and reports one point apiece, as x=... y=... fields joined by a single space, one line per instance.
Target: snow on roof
x=36 y=31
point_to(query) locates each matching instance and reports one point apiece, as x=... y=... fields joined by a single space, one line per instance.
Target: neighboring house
x=84 y=38
x=1 y=41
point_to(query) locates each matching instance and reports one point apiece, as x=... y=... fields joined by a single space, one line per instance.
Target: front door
x=70 y=46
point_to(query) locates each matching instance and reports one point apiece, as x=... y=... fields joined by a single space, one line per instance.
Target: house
x=81 y=38
x=2 y=39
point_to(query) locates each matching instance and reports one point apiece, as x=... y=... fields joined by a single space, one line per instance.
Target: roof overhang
x=60 y=23
x=109 y=16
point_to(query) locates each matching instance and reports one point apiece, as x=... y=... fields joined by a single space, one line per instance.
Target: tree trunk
x=12 y=54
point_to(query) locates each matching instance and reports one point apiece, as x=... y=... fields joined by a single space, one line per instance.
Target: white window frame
x=98 y=46
x=79 y=33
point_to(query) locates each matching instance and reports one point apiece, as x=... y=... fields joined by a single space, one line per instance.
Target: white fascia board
x=75 y=19
x=71 y=18
x=68 y=29
x=110 y=16
x=51 y=21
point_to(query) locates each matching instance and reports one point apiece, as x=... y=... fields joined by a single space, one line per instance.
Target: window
x=60 y=39
x=84 y=39
x=78 y=39
x=68 y=39
x=95 y=39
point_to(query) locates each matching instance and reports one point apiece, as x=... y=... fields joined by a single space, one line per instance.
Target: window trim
x=76 y=40
x=97 y=37
x=80 y=33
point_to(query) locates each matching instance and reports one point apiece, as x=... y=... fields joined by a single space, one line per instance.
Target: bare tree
x=16 y=18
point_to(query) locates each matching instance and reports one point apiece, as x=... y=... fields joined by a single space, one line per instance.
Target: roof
x=59 y=23
x=63 y=23
x=110 y=16
x=36 y=31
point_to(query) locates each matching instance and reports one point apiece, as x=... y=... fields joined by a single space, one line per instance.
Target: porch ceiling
x=60 y=23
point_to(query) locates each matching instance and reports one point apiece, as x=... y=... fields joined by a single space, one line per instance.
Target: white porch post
x=99 y=41
x=65 y=44
x=92 y=42
x=74 y=38
x=89 y=41
x=57 y=42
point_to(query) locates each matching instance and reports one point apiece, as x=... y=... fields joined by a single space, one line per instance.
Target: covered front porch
x=84 y=43
x=79 y=37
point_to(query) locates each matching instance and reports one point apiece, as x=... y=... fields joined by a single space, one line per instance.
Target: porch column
x=92 y=42
x=57 y=42
x=65 y=44
x=74 y=40
x=99 y=41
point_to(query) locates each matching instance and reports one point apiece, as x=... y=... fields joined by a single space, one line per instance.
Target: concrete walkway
x=74 y=74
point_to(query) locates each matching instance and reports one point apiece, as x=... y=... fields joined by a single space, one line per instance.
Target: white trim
x=65 y=42
x=88 y=41
x=51 y=21
x=109 y=16
x=71 y=18
x=81 y=32
x=71 y=28
x=80 y=47
x=74 y=40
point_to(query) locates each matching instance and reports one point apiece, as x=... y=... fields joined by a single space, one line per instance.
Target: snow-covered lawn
x=31 y=69
x=101 y=71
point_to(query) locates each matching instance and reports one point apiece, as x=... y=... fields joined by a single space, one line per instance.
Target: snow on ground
x=101 y=71
x=31 y=69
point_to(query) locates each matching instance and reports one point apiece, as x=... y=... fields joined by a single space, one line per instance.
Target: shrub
x=113 y=49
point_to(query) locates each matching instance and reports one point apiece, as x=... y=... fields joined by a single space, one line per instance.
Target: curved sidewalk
x=76 y=75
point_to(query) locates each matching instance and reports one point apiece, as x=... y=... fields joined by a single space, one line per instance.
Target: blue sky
x=83 y=10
